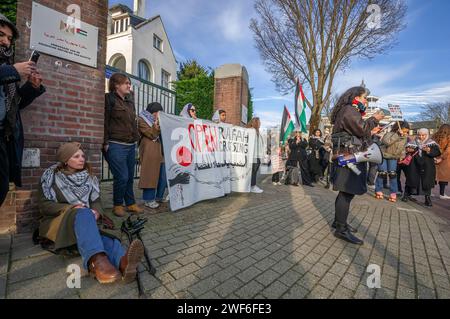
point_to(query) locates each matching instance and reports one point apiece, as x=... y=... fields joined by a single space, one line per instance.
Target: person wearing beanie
x=152 y=181
x=13 y=98
x=71 y=215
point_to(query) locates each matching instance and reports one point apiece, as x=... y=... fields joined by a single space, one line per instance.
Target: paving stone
x=275 y=290
x=28 y=268
x=228 y=287
x=296 y=292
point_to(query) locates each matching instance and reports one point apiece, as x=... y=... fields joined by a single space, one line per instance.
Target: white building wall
x=121 y=43
x=143 y=49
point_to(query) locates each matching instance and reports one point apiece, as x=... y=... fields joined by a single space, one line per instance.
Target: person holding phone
x=13 y=98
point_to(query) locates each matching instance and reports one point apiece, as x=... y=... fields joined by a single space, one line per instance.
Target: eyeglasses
x=192 y=110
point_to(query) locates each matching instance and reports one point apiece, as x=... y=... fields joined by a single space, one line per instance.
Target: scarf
x=77 y=188
x=10 y=89
x=419 y=145
x=360 y=107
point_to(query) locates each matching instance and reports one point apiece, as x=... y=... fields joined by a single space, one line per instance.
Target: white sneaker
x=274 y=183
x=444 y=197
x=153 y=204
x=256 y=189
x=279 y=184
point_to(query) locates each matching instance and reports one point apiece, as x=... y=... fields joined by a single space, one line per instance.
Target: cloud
x=420 y=96
x=233 y=23
x=376 y=78
x=272 y=98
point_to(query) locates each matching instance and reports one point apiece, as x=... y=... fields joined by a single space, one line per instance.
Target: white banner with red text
x=205 y=160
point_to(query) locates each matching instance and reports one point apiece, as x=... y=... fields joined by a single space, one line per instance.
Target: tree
x=250 y=105
x=314 y=39
x=191 y=69
x=195 y=85
x=9 y=9
x=439 y=112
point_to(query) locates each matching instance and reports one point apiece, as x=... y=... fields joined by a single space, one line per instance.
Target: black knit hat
x=154 y=107
x=11 y=25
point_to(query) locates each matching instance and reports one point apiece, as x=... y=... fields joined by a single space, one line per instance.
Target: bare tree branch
x=314 y=39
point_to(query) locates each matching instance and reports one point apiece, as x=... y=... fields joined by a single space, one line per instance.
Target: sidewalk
x=272 y=245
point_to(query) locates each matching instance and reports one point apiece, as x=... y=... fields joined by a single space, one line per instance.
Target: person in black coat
x=13 y=98
x=350 y=134
x=315 y=158
x=298 y=157
x=421 y=172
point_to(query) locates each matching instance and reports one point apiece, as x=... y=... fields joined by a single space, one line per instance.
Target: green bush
x=198 y=91
x=9 y=9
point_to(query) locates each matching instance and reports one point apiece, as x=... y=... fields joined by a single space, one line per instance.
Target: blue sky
x=415 y=72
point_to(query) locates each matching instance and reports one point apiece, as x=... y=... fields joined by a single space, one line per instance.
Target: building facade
x=140 y=46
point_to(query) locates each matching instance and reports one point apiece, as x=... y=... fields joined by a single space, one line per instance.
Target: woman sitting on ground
x=70 y=208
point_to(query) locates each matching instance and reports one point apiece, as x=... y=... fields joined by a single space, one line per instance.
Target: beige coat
x=150 y=155
x=443 y=168
x=57 y=220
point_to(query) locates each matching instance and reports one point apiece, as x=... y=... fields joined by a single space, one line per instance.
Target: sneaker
x=279 y=184
x=444 y=197
x=153 y=204
x=164 y=200
x=274 y=183
x=256 y=189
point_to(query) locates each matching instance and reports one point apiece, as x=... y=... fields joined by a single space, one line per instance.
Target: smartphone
x=35 y=56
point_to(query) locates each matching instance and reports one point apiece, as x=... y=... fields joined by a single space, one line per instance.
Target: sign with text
x=205 y=160
x=396 y=112
x=53 y=33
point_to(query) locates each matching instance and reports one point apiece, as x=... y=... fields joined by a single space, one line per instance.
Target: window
x=143 y=70
x=165 y=79
x=157 y=42
x=119 y=62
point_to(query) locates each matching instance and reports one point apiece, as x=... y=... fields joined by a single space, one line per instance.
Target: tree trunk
x=315 y=120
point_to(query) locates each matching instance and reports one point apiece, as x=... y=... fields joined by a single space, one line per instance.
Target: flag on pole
x=300 y=107
x=287 y=126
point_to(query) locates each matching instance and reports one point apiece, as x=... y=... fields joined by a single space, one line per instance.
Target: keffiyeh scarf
x=10 y=89
x=77 y=188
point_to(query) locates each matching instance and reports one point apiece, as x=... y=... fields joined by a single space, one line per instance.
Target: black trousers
x=255 y=168
x=442 y=186
x=4 y=169
x=276 y=177
x=342 y=207
x=304 y=171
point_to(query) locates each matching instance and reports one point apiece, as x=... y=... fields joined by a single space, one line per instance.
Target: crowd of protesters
x=69 y=194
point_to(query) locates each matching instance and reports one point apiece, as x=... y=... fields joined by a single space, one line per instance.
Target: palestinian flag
x=300 y=107
x=82 y=32
x=287 y=126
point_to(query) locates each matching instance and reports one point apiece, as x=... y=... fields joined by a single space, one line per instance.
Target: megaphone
x=372 y=155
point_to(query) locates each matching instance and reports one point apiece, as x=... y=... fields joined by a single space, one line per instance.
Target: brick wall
x=70 y=110
x=230 y=94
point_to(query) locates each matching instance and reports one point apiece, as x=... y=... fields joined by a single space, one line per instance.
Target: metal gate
x=144 y=92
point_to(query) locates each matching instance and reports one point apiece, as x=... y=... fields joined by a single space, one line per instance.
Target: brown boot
x=100 y=268
x=119 y=211
x=135 y=209
x=129 y=262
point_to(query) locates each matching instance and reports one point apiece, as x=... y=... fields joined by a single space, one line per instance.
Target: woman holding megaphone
x=351 y=134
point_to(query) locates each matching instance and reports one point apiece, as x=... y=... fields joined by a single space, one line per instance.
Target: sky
x=414 y=73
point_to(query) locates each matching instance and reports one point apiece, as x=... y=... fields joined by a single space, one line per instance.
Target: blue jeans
x=149 y=194
x=388 y=166
x=90 y=242
x=122 y=162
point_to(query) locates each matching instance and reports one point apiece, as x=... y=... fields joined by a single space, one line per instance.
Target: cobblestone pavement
x=272 y=245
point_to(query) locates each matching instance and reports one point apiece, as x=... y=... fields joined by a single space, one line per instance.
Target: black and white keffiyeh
x=77 y=188
x=10 y=89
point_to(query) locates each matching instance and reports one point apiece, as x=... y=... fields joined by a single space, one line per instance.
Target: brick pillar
x=71 y=109
x=231 y=91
